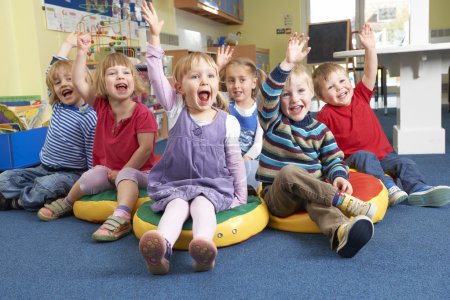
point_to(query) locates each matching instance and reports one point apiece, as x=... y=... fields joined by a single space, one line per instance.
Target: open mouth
x=296 y=109
x=66 y=92
x=204 y=96
x=342 y=95
x=121 y=87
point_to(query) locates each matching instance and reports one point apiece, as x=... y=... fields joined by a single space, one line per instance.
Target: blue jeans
x=35 y=186
x=398 y=168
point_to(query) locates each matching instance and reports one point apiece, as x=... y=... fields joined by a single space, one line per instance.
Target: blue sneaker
x=435 y=196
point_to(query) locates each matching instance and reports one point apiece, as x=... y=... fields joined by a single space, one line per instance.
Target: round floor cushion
x=97 y=208
x=365 y=187
x=233 y=225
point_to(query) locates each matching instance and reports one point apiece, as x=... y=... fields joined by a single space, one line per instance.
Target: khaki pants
x=294 y=189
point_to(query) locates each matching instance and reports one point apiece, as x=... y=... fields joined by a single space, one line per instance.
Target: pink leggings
x=96 y=180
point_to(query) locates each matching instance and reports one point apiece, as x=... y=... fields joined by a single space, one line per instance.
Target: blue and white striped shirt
x=70 y=138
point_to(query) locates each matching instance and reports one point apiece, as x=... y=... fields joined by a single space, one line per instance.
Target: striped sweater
x=307 y=144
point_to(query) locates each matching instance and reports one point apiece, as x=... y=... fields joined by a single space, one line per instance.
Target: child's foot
x=203 y=253
x=112 y=229
x=353 y=236
x=352 y=206
x=434 y=196
x=54 y=210
x=156 y=251
x=5 y=204
x=396 y=195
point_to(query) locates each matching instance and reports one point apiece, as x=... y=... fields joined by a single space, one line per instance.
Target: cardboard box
x=21 y=149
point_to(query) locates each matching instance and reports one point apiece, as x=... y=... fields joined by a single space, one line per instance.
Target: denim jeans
x=35 y=186
x=398 y=168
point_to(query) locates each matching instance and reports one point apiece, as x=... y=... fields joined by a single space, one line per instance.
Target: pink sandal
x=112 y=229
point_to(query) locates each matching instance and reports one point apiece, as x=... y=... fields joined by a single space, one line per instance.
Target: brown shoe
x=112 y=229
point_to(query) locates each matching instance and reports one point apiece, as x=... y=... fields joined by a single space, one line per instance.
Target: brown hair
x=117 y=59
x=247 y=62
x=321 y=73
x=184 y=65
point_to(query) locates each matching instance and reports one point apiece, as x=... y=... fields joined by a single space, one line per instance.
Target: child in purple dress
x=202 y=171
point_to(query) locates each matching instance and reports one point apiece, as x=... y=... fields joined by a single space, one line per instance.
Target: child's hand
x=343 y=185
x=112 y=175
x=150 y=16
x=72 y=38
x=367 y=37
x=224 y=55
x=84 y=42
x=295 y=51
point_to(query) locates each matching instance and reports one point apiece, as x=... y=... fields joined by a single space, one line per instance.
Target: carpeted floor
x=408 y=258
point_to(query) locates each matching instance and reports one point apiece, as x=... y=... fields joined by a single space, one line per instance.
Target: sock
x=68 y=202
x=337 y=199
x=422 y=189
x=122 y=211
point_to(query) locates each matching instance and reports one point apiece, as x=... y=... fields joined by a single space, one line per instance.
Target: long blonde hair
x=117 y=59
x=184 y=65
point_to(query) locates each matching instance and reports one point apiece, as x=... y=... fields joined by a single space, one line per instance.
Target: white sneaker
x=435 y=196
x=352 y=207
x=396 y=195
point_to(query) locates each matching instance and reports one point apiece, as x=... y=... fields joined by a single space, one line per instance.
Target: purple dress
x=193 y=164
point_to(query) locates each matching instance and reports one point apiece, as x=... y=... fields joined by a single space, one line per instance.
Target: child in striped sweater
x=300 y=155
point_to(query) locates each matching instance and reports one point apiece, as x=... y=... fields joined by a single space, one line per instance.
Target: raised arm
x=150 y=16
x=295 y=51
x=224 y=55
x=164 y=92
x=79 y=72
x=68 y=44
x=367 y=39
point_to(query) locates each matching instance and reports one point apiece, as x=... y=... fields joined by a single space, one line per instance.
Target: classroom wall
x=439 y=14
x=28 y=45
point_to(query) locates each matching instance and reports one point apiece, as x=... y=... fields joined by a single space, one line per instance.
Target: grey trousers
x=294 y=189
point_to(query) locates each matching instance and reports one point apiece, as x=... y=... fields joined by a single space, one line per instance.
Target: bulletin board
x=122 y=17
x=327 y=38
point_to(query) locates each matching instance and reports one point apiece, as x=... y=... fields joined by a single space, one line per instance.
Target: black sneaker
x=5 y=204
x=356 y=235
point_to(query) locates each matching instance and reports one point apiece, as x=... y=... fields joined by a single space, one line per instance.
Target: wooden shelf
x=204 y=10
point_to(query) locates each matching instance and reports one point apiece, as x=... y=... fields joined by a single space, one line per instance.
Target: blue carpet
x=408 y=258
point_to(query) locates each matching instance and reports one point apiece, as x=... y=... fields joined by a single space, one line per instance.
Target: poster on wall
x=105 y=17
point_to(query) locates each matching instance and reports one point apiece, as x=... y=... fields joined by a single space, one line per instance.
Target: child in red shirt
x=124 y=140
x=359 y=134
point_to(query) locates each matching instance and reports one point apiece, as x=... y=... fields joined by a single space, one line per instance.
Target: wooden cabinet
x=230 y=12
x=259 y=55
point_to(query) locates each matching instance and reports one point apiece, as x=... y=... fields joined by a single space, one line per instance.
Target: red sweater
x=356 y=127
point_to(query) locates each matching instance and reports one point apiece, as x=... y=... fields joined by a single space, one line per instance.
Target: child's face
x=199 y=86
x=119 y=82
x=296 y=98
x=240 y=82
x=337 y=90
x=62 y=84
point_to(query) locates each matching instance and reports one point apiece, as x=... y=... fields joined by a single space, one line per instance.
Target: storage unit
x=21 y=149
x=230 y=12
x=259 y=55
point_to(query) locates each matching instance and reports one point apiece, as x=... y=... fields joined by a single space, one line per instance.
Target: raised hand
x=296 y=50
x=367 y=37
x=224 y=55
x=150 y=16
x=72 y=38
x=84 y=42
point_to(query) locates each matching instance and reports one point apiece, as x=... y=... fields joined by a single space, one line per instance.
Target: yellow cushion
x=233 y=226
x=97 y=208
x=365 y=187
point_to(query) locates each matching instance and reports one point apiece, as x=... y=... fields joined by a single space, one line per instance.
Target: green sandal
x=54 y=210
x=112 y=229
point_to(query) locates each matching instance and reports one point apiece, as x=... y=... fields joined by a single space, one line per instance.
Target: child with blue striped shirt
x=300 y=155
x=67 y=151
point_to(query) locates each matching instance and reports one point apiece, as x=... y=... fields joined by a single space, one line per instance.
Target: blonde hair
x=117 y=59
x=184 y=65
x=58 y=66
x=257 y=73
x=321 y=73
